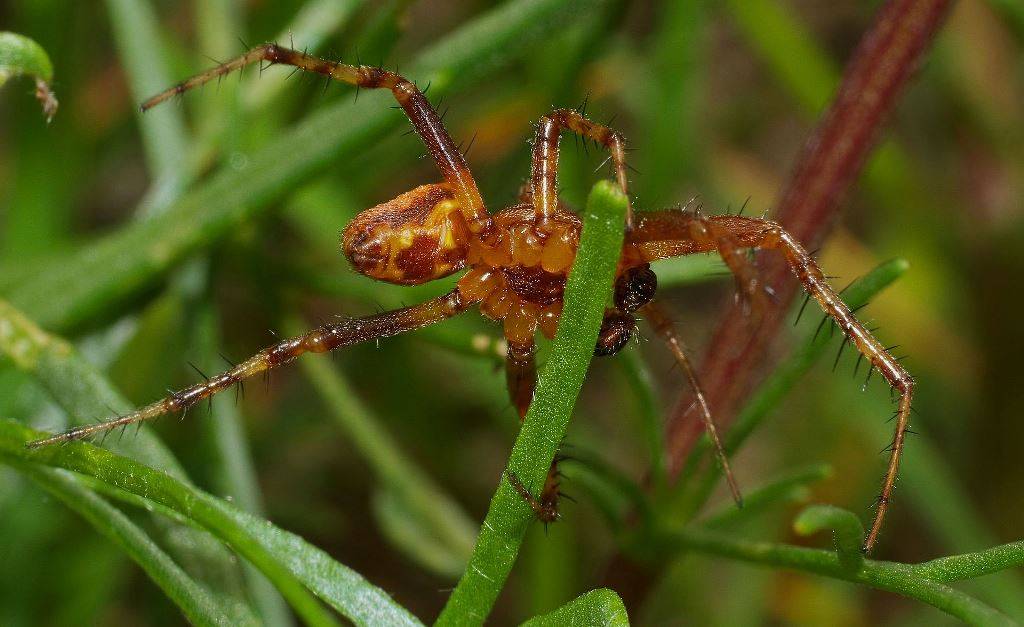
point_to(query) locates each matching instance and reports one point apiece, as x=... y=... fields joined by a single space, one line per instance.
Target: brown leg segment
x=662 y=234
x=544 y=171
x=521 y=375
x=662 y=325
x=422 y=115
x=322 y=339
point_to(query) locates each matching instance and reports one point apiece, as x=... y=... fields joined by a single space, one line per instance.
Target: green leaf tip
x=598 y=608
x=20 y=56
x=847 y=531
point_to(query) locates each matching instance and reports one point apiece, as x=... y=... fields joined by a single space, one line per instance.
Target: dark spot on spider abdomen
x=417 y=263
x=534 y=284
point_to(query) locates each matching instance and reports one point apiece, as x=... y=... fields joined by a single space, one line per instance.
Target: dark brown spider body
x=517 y=262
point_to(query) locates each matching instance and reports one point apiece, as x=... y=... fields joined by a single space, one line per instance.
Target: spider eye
x=615 y=332
x=635 y=288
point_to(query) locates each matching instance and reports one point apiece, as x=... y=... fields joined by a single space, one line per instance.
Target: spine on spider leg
x=544 y=184
x=814 y=281
x=877 y=355
x=324 y=338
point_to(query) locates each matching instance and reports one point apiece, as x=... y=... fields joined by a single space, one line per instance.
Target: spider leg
x=661 y=234
x=521 y=375
x=324 y=338
x=544 y=170
x=749 y=289
x=424 y=118
x=663 y=326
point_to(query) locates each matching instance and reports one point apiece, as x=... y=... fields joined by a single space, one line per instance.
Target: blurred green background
x=716 y=98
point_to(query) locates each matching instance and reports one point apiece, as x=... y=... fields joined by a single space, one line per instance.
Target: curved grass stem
x=903 y=579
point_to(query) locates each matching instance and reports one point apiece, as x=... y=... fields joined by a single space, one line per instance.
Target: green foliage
x=597 y=608
x=391 y=452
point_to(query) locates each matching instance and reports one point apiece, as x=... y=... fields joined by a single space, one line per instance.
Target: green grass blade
x=286 y=559
x=86 y=395
x=676 y=79
x=165 y=139
x=790 y=487
x=508 y=517
x=234 y=474
x=440 y=521
x=20 y=55
x=788 y=49
x=641 y=384
x=597 y=608
x=309 y=29
x=198 y=605
x=104 y=274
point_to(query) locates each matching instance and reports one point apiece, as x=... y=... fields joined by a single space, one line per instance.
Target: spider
x=518 y=260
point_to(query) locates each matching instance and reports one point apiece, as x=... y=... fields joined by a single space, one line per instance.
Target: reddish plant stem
x=832 y=159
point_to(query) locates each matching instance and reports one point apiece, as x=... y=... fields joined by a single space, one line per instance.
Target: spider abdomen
x=409 y=240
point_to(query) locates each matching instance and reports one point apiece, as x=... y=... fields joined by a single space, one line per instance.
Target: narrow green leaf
x=86 y=395
x=597 y=608
x=791 y=486
x=234 y=474
x=971 y=565
x=586 y=294
x=165 y=138
x=19 y=56
x=899 y=578
x=286 y=559
x=641 y=384
x=788 y=49
x=314 y=22
x=676 y=70
x=436 y=529
x=196 y=602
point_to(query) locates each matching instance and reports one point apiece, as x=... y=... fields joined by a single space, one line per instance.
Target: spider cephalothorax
x=517 y=262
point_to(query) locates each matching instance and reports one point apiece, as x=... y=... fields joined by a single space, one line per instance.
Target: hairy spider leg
x=749 y=288
x=521 y=375
x=662 y=324
x=661 y=234
x=544 y=170
x=324 y=338
x=421 y=113
x=545 y=504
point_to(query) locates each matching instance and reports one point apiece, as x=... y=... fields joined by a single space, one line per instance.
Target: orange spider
x=518 y=260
